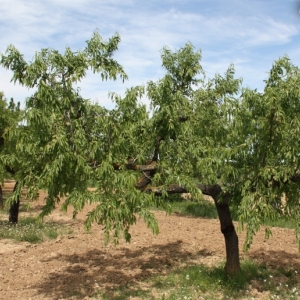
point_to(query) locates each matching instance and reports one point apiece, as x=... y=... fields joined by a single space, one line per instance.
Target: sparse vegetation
x=189 y=282
x=31 y=230
x=202 y=282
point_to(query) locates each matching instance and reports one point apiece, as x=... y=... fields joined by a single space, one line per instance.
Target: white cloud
x=249 y=34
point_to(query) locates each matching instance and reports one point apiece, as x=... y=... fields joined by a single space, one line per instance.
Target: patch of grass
x=30 y=230
x=207 y=210
x=126 y=292
x=201 y=209
x=282 y=221
x=202 y=282
x=194 y=282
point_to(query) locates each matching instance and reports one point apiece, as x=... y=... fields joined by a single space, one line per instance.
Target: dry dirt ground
x=76 y=266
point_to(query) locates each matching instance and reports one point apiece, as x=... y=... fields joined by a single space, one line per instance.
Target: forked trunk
x=232 y=265
x=14 y=209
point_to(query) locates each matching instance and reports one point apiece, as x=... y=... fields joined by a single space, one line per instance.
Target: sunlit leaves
x=68 y=144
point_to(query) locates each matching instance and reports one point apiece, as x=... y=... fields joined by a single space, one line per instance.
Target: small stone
x=53 y=254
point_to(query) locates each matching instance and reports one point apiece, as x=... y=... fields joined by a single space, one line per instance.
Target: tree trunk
x=14 y=209
x=227 y=228
x=232 y=265
x=1 y=198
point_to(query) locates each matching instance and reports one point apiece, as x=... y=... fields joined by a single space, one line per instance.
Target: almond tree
x=67 y=143
x=204 y=136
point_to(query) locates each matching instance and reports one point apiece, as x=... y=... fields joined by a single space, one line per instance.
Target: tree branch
x=211 y=190
x=132 y=166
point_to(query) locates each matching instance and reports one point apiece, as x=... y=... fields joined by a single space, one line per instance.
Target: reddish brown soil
x=76 y=266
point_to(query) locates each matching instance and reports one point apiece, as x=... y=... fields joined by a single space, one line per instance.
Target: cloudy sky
x=251 y=34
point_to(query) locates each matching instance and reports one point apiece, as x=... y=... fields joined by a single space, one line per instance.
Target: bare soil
x=79 y=265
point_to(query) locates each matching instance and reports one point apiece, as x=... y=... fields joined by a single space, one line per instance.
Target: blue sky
x=251 y=34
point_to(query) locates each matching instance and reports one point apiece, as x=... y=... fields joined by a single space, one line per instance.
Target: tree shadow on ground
x=95 y=270
x=276 y=259
x=99 y=270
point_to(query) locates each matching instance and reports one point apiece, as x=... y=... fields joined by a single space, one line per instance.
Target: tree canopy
x=201 y=135
x=9 y=118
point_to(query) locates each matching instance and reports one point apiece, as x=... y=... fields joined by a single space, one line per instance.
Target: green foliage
x=264 y=149
x=66 y=142
x=247 y=144
x=10 y=115
x=198 y=130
